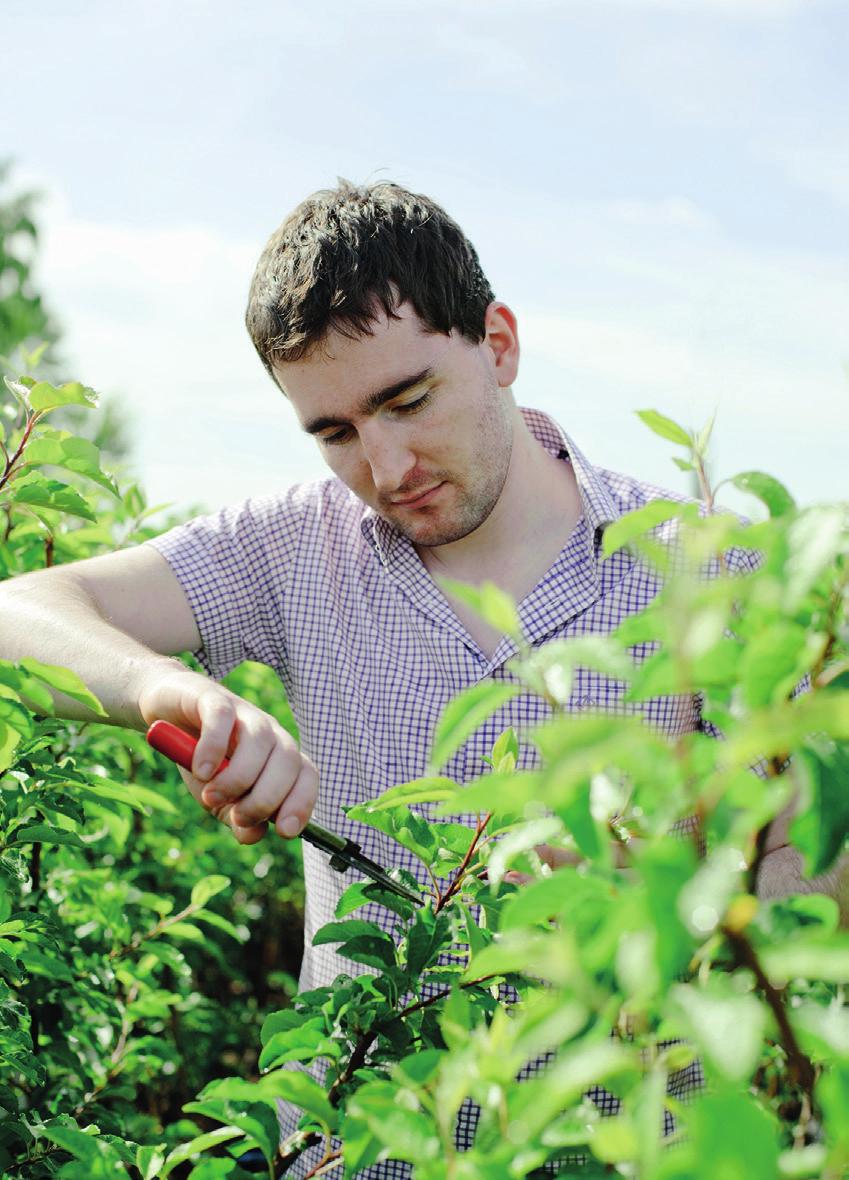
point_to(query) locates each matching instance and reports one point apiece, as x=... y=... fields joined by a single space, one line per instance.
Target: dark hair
x=345 y=252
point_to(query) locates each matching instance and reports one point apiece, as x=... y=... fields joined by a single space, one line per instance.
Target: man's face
x=416 y=424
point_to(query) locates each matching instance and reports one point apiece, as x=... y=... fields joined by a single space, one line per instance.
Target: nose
x=388 y=455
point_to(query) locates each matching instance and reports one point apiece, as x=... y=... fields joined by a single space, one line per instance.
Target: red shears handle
x=176 y=744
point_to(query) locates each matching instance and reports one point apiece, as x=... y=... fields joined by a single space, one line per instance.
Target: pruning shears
x=344 y=853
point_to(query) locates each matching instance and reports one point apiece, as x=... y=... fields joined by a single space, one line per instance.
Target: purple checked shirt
x=335 y=600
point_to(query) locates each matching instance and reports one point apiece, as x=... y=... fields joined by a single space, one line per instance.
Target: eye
x=412 y=407
x=338 y=436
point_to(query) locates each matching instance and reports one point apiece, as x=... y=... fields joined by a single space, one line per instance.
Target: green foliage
x=24 y=320
x=124 y=912
x=639 y=914
x=140 y=946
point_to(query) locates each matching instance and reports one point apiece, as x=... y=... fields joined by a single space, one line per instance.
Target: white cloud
x=622 y=305
x=819 y=167
x=156 y=317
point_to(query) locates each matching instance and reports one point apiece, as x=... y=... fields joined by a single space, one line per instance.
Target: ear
x=502 y=342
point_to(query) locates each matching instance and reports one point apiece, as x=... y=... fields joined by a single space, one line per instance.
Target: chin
x=438 y=532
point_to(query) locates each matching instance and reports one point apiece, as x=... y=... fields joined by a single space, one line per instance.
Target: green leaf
x=89 y=1148
x=803 y=1163
x=820 y=827
x=59 y=448
x=429 y=935
x=703 y=437
x=542 y=900
x=65 y=681
x=465 y=713
x=207 y=887
x=782 y=727
x=34 y=489
x=13 y=713
x=770 y=664
x=490 y=603
x=811 y=957
x=816 y=536
x=550 y=670
x=634 y=524
x=45 y=396
x=408 y=829
x=406 y=1134
x=240 y=934
x=133 y=794
x=733 y=1137
x=431 y=789
x=26 y=687
x=505 y=752
x=45 y=834
x=727 y=1027
x=36 y=963
x=768 y=490
x=363 y=892
x=518 y=841
x=344 y=931
x=704 y=898
x=195 y=1146
x=9 y=741
x=185 y=931
x=19 y=392
x=149 y=1161
x=306 y=1042
x=665 y=427
x=577 y=816
x=258 y=1121
x=294 y=1086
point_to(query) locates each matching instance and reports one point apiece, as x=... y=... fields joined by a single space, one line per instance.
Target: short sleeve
x=233 y=567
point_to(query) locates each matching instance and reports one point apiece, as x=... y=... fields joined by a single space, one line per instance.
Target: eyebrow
x=372 y=401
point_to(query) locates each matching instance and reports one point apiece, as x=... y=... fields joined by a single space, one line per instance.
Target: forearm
x=55 y=621
x=780 y=874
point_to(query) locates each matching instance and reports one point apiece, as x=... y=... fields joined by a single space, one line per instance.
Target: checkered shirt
x=319 y=587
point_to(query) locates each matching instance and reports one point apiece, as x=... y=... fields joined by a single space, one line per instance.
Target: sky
x=659 y=189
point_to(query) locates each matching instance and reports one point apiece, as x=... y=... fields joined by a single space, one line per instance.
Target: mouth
x=417 y=499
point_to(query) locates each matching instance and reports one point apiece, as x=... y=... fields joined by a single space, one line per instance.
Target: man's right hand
x=267 y=778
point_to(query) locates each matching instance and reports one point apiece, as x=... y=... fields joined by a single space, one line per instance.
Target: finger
x=250 y=834
x=299 y=803
x=264 y=766
x=205 y=709
x=219 y=729
x=555 y=858
x=516 y=878
x=286 y=788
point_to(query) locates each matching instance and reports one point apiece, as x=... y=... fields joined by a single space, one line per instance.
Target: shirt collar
x=598 y=505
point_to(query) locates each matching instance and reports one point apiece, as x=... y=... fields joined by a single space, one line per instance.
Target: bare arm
x=115 y=620
x=781 y=869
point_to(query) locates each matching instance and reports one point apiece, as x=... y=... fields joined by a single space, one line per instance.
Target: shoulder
x=281 y=523
x=629 y=493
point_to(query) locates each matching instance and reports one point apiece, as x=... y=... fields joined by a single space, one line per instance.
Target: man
x=370 y=311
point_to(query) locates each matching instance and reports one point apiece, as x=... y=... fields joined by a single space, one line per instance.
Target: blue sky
x=659 y=189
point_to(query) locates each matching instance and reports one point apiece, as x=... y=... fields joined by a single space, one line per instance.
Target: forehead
x=342 y=369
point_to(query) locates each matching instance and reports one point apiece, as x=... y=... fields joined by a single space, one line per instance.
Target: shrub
x=651 y=927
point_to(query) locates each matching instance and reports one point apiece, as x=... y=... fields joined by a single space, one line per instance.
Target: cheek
x=349 y=466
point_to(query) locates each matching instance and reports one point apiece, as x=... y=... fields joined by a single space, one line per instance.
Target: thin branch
x=10 y=463
x=332 y=1159
x=357 y=1060
x=459 y=876
x=799 y=1066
